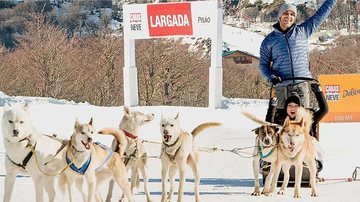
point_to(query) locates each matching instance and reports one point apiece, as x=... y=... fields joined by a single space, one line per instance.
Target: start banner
x=342 y=93
x=143 y=21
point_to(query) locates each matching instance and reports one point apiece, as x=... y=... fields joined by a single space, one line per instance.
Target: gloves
x=275 y=80
x=315 y=87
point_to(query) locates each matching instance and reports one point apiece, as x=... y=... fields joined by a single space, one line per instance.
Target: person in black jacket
x=293 y=102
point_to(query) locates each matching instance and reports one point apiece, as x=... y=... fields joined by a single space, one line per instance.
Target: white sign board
x=170 y=19
x=187 y=19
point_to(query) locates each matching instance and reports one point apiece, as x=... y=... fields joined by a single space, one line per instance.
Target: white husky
x=136 y=155
x=93 y=162
x=178 y=149
x=19 y=135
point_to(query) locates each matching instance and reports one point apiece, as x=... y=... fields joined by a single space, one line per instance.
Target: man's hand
x=275 y=80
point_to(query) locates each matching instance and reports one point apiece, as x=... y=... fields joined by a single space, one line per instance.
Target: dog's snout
x=89 y=139
x=16 y=132
x=267 y=141
x=165 y=132
x=292 y=143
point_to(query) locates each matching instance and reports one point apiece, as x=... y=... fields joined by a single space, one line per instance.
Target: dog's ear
x=287 y=121
x=77 y=123
x=301 y=122
x=256 y=130
x=26 y=106
x=126 y=110
x=7 y=106
x=177 y=116
x=276 y=128
x=91 y=121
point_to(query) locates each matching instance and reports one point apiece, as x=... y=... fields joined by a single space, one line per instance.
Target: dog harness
x=27 y=157
x=262 y=156
x=85 y=166
x=172 y=152
x=80 y=170
x=25 y=161
x=132 y=155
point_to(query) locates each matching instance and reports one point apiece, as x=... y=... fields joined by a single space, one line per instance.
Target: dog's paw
x=281 y=192
x=314 y=194
x=320 y=179
x=297 y=195
x=265 y=190
x=268 y=193
x=256 y=193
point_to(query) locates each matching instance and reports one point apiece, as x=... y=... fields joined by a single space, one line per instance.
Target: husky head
x=16 y=123
x=134 y=119
x=170 y=129
x=293 y=136
x=82 y=138
x=267 y=135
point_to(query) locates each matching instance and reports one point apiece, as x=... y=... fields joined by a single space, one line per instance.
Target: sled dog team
x=80 y=160
x=284 y=146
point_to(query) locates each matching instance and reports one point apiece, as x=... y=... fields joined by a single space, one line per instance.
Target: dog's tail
x=204 y=126
x=119 y=136
x=257 y=120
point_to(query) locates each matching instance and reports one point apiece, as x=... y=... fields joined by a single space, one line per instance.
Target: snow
x=243 y=40
x=225 y=176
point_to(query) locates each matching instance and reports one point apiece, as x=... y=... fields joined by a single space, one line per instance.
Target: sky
x=225 y=176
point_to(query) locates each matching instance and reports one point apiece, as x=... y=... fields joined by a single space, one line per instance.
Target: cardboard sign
x=342 y=93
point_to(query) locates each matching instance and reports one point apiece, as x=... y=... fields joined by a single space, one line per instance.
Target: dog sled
x=275 y=115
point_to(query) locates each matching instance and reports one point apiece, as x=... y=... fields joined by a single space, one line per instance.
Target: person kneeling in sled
x=292 y=104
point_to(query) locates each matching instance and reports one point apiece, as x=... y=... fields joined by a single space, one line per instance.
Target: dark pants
x=283 y=92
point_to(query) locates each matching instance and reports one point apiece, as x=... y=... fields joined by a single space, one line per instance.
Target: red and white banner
x=142 y=21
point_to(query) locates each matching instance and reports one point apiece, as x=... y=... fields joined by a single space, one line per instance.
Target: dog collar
x=130 y=135
x=80 y=170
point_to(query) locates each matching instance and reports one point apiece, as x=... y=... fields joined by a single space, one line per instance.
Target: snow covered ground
x=225 y=176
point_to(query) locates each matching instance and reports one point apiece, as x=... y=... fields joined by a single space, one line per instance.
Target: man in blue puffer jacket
x=284 y=53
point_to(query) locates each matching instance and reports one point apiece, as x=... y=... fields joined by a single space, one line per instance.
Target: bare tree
x=44 y=52
x=171 y=76
x=244 y=81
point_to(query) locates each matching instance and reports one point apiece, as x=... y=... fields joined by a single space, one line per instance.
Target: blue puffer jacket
x=287 y=55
